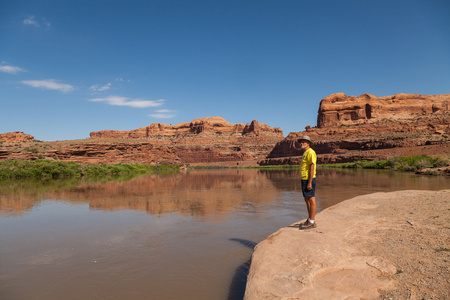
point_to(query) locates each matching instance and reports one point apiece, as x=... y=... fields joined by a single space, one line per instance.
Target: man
x=308 y=178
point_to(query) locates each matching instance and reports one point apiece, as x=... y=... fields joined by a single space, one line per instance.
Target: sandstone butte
x=210 y=140
x=348 y=128
x=211 y=125
x=353 y=128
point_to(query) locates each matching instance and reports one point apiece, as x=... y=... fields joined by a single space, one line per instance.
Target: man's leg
x=312 y=207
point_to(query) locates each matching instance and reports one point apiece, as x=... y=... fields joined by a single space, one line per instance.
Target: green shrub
x=417 y=162
x=32 y=150
x=409 y=163
x=43 y=168
x=379 y=164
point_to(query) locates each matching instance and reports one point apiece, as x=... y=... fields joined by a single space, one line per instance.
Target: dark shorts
x=310 y=193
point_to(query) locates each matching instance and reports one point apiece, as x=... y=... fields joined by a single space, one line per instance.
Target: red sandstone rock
x=352 y=128
x=209 y=125
x=214 y=141
x=369 y=247
x=17 y=136
x=340 y=109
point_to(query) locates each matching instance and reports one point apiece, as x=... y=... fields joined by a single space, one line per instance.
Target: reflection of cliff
x=210 y=192
x=21 y=195
x=16 y=204
x=196 y=193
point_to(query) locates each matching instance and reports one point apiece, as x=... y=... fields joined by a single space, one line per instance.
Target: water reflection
x=177 y=236
x=202 y=193
x=198 y=193
x=19 y=196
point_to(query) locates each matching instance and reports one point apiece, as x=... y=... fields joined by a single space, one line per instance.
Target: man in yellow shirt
x=308 y=178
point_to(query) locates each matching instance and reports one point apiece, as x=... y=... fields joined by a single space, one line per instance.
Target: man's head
x=305 y=142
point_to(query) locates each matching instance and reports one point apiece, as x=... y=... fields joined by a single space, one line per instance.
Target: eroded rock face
x=207 y=141
x=340 y=109
x=372 y=128
x=17 y=136
x=209 y=125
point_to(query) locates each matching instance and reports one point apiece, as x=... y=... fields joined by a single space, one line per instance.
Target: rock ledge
x=378 y=246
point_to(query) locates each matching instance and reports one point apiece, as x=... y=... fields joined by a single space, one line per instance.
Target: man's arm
x=310 y=177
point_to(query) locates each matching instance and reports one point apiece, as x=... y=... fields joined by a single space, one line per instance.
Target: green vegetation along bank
x=412 y=163
x=43 y=168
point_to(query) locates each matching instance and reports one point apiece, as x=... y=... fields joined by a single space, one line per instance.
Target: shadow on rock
x=237 y=287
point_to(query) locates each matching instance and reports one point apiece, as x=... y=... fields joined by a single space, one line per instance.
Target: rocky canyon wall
x=369 y=127
x=349 y=128
x=340 y=109
x=207 y=141
x=209 y=125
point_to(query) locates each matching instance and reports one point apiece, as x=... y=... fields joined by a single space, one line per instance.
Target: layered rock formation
x=371 y=128
x=208 y=141
x=209 y=125
x=340 y=109
x=349 y=128
x=17 y=136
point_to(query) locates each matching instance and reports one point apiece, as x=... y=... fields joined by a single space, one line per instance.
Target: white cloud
x=163 y=114
x=49 y=84
x=11 y=69
x=99 y=88
x=32 y=21
x=124 y=101
x=47 y=23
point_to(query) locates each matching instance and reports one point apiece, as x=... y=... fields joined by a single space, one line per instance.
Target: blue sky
x=71 y=67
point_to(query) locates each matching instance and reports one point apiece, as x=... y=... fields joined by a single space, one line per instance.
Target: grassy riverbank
x=412 y=163
x=409 y=163
x=43 y=168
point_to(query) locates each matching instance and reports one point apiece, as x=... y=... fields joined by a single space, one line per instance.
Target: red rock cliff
x=340 y=109
x=212 y=125
x=369 y=128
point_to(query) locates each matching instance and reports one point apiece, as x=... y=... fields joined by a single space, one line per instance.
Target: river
x=187 y=235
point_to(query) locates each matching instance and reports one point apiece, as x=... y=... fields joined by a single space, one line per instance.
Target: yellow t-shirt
x=308 y=158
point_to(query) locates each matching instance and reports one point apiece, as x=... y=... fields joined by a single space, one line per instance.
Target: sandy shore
x=380 y=246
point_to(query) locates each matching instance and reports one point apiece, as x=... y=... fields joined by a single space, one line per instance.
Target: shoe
x=308 y=225
x=304 y=223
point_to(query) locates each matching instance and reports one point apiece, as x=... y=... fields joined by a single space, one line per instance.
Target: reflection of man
x=308 y=178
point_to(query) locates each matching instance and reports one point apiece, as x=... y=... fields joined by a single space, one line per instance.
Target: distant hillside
x=208 y=125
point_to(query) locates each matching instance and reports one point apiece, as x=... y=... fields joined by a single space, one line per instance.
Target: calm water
x=179 y=236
